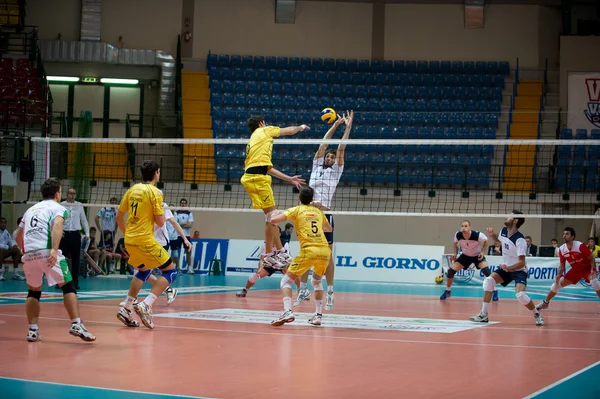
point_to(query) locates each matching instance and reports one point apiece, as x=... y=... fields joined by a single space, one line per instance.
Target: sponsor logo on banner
x=204 y=254
x=583 y=100
x=593 y=112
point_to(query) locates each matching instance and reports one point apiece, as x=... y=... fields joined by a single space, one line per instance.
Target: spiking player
x=314 y=252
x=39 y=235
x=262 y=271
x=162 y=236
x=473 y=245
x=257 y=180
x=514 y=267
x=582 y=262
x=143 y=204
x=327 y=170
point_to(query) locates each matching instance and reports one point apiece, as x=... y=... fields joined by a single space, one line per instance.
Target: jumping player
x=39 y=235
x=257 y=181
x=327 y=170
x=582 y=262
x=262 y=271
x=314 y=252
x=143 y=204
x=473 y=244
x=514 y=267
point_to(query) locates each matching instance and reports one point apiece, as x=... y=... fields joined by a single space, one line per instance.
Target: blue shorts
x=519 y=277
x=329 y=236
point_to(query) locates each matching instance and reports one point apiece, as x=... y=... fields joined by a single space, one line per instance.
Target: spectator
x=106 y=219
x=95 y=253
x=286 y=235
x=124 y=257
x=111 y=257
x=70 y=245
x=591 y=243
x=9 y=249
x=554 y=243
x=196 y=234
x=531 y=249
x=185 y=220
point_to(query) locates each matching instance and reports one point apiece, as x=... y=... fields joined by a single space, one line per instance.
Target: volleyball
x=439 y=279
x=328 y=115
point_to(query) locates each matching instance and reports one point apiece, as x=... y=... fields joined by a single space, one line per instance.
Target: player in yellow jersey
x=257 y=181
x=144 y=205
x=310 y=223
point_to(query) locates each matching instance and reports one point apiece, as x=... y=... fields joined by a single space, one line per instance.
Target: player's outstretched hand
x=305 y=127
x=187 y=244
x=297 y=181
x=490 y=232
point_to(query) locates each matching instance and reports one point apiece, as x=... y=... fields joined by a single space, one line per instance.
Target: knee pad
x=34 y=294
x=68 y=288
x=254 y=278
x=451 y=272
x=595 y=284
x=143 y=275
x=271 y=215
x=555 y=287
x=486 y=271
x=489 y=284
x=286 y=282
x=317 y=283
x=523 y=298
x=170 y=275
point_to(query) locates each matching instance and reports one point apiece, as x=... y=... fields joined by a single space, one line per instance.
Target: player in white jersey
x=162 y=236
x=264 y=270
x=39 y=234
x=473 y=245
x=327 y=170
x=513 y=268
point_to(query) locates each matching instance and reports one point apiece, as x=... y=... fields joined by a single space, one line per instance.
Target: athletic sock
x=302 y=286
x=150 y=299
x=33 y=327
x=535 y=311
x=484 y=308
x=129 y=302
x=287 y=303
x=319 y=306
x=330 y=289
x=448 y=289
x=76 y=320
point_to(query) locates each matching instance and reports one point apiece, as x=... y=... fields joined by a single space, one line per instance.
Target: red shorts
x=575 y=275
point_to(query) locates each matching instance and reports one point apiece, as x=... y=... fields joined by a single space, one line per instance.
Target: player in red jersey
x=582 y=264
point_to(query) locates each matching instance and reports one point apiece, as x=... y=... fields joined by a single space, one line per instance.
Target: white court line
x=311 y=336
x=575 y=374
x=107 y=389
x=495 y=327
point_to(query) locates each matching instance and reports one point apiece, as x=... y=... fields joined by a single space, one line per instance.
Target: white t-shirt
x=324 y=181
x=470 y=246
x=37 y=224
x=160 y=233
x=108 y=219
x=512 y=247
x=184 y=217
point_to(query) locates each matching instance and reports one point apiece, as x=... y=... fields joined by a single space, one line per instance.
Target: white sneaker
x=144 y=312
x=284 y=258
x=18 y=277
x=2 y=277
x=316 y=319
x=33 y=335
x=135 y=301
x=273 y=261
x=286 y=317
x=126 y=317
x=542 y=305
x=539 y=320
x=79 y=330
x=303 y=295
x=329 y=301
x=480 y=318
x=171 y=295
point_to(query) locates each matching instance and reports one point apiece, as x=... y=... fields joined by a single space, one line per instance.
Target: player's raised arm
x=278 y=219
x=323 y=147
x=297 y=181
x=290 y=131
x=492 y=234
x=339 y=156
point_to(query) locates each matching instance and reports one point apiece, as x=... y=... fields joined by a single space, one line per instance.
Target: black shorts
x=519 y=277
x=329 y=236
x=467 y=261
x=271 y=270
x=177 y=243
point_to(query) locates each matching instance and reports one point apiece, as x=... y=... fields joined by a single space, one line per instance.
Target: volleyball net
x=541 y=178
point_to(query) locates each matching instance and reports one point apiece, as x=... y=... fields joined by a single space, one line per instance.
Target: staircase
x=198 y=159
x=520 y=160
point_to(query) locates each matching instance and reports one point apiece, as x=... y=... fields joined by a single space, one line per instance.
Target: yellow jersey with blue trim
x=309 y=222
x=260 y=147
x=141 y=202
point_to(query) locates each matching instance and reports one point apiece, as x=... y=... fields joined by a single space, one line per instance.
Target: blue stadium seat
x=373 y=104
x=387 y=92
x=452 y=80
x=240 y=86
x=251 y=74
x=393 y=79
x=422 y=92
x=387 y=66
x=317 y=64
x=434 y=105
x=504 y=68
x=363 y=65
x=410 y=66
x=259 y=62
x=566 y=134
x=581 y=134
x=276 y=88
x=252 y=87
x=471 y=105
x=283 y=62
x=212 y=60
x=223 y=60
x=489 y=133
x=285 y=75
x=458 y=67
x=341 y=65
x=374 y=91
x=469 y=67
x=398 y=104
x=399 y=66
x=477 y=133
x=310 y=77
x=252 y=100
x=480 y=67
x=492 y=67
x=325 y=90
x=422 y=67
x=228 y=99
x=305 y=63
x=239 y=73
x=595 y=135
x=498 y=81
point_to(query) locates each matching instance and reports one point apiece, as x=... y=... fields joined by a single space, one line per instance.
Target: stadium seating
x=391 y=99
x=577 y=165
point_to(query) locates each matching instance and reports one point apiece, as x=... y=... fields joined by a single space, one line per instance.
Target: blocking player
x=162 y=236
x=310 y=224
x=582 y=262
x=514 y=268
x=473 y=245
x=39 y=235
x=327 y=169
x=262 y=271
x=143 y=205
x=257 y=181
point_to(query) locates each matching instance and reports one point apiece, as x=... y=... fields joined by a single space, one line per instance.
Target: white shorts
x=35 y=266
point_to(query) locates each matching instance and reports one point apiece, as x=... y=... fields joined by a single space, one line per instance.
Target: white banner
x=355 y=261
x=584 y=101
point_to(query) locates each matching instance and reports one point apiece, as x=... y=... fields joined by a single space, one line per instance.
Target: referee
x=70 y=245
